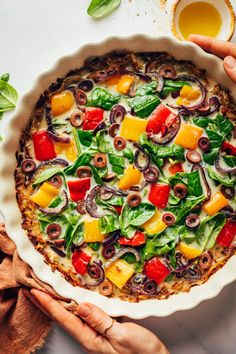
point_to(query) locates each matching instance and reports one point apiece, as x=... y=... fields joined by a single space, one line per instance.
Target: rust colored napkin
x=23 y=327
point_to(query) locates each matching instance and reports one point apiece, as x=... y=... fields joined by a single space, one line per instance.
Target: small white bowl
x=224 y=8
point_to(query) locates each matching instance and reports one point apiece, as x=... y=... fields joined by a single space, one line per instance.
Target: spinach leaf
x=147 y=89
x=143 y=106
x=117 y=163
x=208 y=230
x=160 y=152
x=230 y=160
x=216 y=140
x=162 y=244
x=73 y=235
x=8 y=96
x=223 y=125
x=191 y=180
x=96 y=175
x=202 y=121
x=100 y=8
x=82 y=160
x=46 y=174
x=94 y=245
x=172 y=86
x=128 y=153
x=219 y=123
x=108 y=223
x=185 y=206
x=102 y=98
x=85 y=137
x=224 y=180
x=103 y=143
x=130 y=218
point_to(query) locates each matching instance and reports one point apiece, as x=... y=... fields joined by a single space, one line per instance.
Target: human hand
x=225 y=50
x=97 y=332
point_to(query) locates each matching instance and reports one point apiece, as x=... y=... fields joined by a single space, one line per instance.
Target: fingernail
x=230 y=62
x=83 y=310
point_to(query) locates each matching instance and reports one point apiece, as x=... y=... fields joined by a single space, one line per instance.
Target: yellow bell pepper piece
x=61 y=102
x=188 y=136
x=92 y=232
x=189 y=92
x=217 y=202
x=189 y=251
x=124 y=84
x=119 y=273
x=132 y=128
x=155 y=224
x=113 y=80
x=69 y=150
x=131 y=177
x=44 y=195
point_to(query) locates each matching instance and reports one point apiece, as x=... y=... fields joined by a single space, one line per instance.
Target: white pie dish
x=8 y=204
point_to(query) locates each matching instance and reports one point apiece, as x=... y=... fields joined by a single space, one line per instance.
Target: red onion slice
x=121 y=252
x=111 y=239
x=65 y=139
x=170 y=133
x=59 y=208
x=222 y=169
x=210 y=107
x=90 y=205
x=146 y=157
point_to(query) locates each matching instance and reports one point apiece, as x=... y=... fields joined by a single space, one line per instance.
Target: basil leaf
x=117 y=163
x=85 y=137
x=130 y=218
x=5 y=77
x=108 y=223
x=46 y=174
x=224 y=180
x=102 y=98
x=223 y=125
x=8 y=96
x=208 y=230
x=143 y=105
x=82 y=160
x=100 y=8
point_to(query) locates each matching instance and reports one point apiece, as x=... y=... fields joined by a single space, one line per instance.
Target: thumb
x=95 y=317
x=230 y=67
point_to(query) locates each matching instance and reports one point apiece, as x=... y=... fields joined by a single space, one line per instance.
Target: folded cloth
x=23 y=327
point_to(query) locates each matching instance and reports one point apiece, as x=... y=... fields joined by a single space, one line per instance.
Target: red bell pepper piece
x=176 y=167
x=118 y=208
x=160 y=119
x=92 y=118
x=156 y=270
x=138 y=239
x=228 y=148
x=227 y=234
x=78 y=188
x=43 y=146
x=159 y=195
x=80 y=261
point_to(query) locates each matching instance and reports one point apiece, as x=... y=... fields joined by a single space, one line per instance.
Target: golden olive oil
x=200 y=18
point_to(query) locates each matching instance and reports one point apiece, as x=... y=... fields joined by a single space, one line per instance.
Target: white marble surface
x=32 y=35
